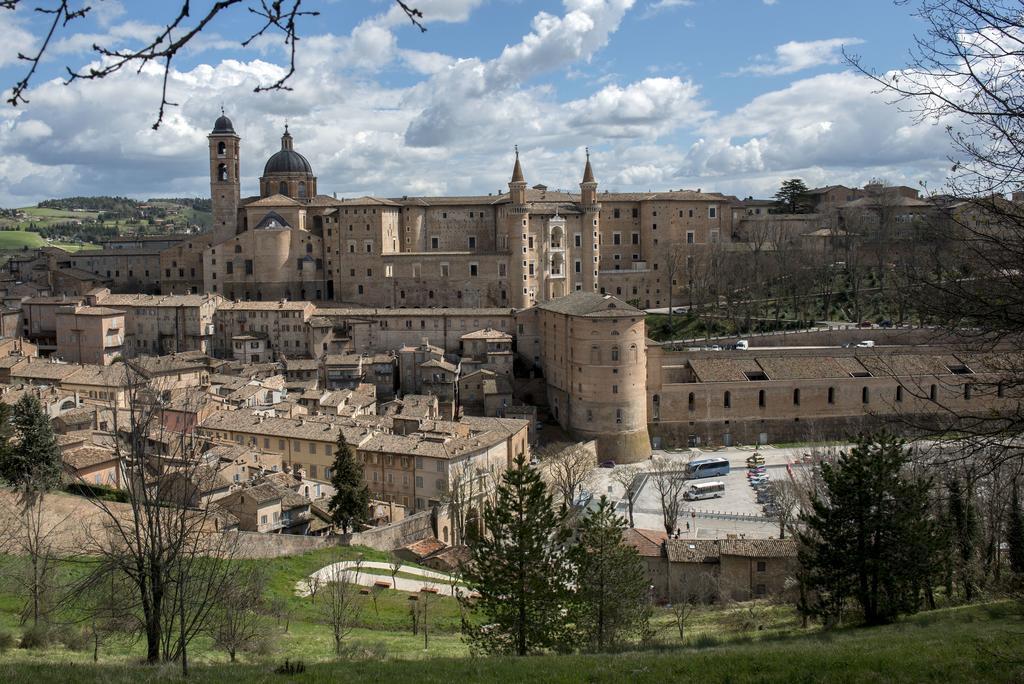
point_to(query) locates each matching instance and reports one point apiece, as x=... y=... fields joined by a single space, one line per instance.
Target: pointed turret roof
x=588 y=173
x=517 y=170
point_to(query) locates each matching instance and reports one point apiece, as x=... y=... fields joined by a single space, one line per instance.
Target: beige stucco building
x=90 y=334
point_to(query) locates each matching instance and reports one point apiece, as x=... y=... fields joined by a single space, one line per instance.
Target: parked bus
x=704 y=490
x=707 y=467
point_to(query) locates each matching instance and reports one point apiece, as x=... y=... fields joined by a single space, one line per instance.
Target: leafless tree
x=964 y=73
x=105 y=604
x=162 y=541
x=629 y=478
x=282 y=609
x=31 y=534
x=696 y=590
x=669 y=480
x=568 y=467
x=279 y=17
x=239 y=621
x=339 y=604
x=395 y=566
x=786 y=499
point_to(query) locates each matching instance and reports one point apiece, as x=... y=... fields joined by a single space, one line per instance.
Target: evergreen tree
x=611 y=596
x=1015 y=533
x=351 y=500
x=869 y=536
x=792 y=196
x=31 y=458
x=964 y=523
x=519 y=568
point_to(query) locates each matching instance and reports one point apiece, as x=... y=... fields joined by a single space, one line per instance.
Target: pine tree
x=869 y=537
x=520 y=569
x=965 y=534
x=348 y=507
x=792 y=196
x=1015 y=533
x=31 y=459
x=611 y=597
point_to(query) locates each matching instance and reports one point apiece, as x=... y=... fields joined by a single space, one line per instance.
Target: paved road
x=431 y=579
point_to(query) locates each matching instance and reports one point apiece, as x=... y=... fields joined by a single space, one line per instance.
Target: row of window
x=830 y=396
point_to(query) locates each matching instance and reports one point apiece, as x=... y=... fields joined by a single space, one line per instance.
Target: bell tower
x=225 y=190
x=591 y=228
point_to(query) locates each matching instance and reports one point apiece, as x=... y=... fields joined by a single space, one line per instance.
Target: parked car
x=608 y=464
x=716 y=347
x=848 y=345
x=886 y=324
x=743 y=344
x=865 y=324
x=866 y=343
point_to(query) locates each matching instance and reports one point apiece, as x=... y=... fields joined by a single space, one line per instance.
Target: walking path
x=431 y=579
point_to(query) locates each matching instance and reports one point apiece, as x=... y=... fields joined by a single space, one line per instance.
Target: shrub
x=36 y=636
x=72 y=638
x=6 y=642
x=705 y=640
x=290 y=668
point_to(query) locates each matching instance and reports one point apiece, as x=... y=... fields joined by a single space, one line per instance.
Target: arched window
x=691 y=402
x=899 y=392
x=796 y=397
x=282 y=188
x=933 y=393
x=967 y=391
x=302 y=188
x=727 y=400
x=595 y=355
x=221 y=148
x=222 y=172
x=309 y=248
x=615 y=354
x=656 y=403
x=760 y=398
x=632 y=353
x=831 y=395
x=238 y=249
x=865 y=396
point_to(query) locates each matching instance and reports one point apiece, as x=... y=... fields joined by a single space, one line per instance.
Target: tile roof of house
x=692 y=550
x=801 y=367
x=276 y=200
x=367 y=201
x=646 y=542
x=439 y=363
x=157 y=301
x=758 y=548
x=88 y=456
x=352 y=312
x=486 y=334
x=43 y=370
x=723 y=368
x=425 y=547
x=590 y=304
x=276 y=305
x=313 y=428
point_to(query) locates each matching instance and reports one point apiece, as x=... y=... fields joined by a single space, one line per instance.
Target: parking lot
x=735 y=512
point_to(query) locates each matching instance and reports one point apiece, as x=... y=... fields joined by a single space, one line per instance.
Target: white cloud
x=799 y=55
x=15 y=39
x=472 y=93
x=832 y=120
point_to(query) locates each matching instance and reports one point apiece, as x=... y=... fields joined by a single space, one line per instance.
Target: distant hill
x=102 y=203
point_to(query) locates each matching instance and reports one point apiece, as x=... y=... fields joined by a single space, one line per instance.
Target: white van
x=866 y=343
x=743 y=344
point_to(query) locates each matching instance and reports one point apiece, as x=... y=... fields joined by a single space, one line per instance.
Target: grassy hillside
x=974 y=644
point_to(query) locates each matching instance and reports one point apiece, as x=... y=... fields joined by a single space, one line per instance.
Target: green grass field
x=973 y=644
x=740 y=643
x=17 y=239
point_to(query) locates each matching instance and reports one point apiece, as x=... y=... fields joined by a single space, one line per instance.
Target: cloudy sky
x=723 y=95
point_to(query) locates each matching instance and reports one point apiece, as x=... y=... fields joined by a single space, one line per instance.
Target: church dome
x=223 y=125
x=287 y=160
